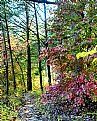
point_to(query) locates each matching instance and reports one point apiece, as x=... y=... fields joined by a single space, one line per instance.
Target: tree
x=8 y=38
x=40 y=68
x=48 y=66
x=72 y=49
x=29 y=83
x=5 y=61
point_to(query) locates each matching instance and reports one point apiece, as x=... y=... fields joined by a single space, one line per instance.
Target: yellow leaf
x=95 y=48
x=91 y=52
x=81 y=54
x=92 y=35
x=94 y=61
x=0 y=92
x=84 y=54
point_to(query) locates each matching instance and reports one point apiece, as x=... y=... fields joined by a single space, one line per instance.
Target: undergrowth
x=9 y=106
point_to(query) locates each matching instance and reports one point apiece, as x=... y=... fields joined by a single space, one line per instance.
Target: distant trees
x=24 y=33
x=5 y=34
x=10 y=50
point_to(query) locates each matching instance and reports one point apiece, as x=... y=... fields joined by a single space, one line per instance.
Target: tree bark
x=21 y=72
x=29 y=80
x=8 y=39
x=48 y=66
x=40 y=69
x=5 y=61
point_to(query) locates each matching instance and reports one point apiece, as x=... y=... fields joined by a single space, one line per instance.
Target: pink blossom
x=80 y=101
x=44 y=103
x=77 y=43
x=62 y=95
x=90 y=40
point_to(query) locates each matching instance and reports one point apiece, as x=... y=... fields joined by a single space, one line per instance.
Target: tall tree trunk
x=21 y=72
x=40 y=69
x=8 y=38
x=29 y=81
x=48 y=66
x=5 y=61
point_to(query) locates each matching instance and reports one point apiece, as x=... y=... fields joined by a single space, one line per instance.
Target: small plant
x=9 y=106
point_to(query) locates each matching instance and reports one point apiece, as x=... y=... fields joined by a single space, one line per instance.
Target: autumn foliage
x=72 y=53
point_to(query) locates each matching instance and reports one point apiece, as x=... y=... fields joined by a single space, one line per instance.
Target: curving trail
x=28 y=111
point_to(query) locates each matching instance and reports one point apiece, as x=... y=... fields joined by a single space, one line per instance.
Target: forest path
x=29 y=111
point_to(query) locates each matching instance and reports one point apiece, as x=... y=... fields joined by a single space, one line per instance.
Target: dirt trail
x=28 y=111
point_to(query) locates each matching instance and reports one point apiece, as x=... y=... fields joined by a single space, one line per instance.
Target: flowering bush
x=76 y=87
x=74 y=58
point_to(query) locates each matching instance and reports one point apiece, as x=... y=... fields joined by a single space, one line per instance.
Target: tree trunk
x=8 y=38
x=48 y=66
x=5 y=62
x=21 y=72
x=40 y=69
x=29 y=82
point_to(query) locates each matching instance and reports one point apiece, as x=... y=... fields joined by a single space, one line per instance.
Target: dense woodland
x=49 y=50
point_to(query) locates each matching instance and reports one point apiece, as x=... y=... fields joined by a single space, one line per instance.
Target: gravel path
x=30 y=112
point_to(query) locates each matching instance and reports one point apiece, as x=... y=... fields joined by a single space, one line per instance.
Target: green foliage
x=74 y=29
x=7 y=113
x=9 y=106
x=72 y=43
x=85 y=54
